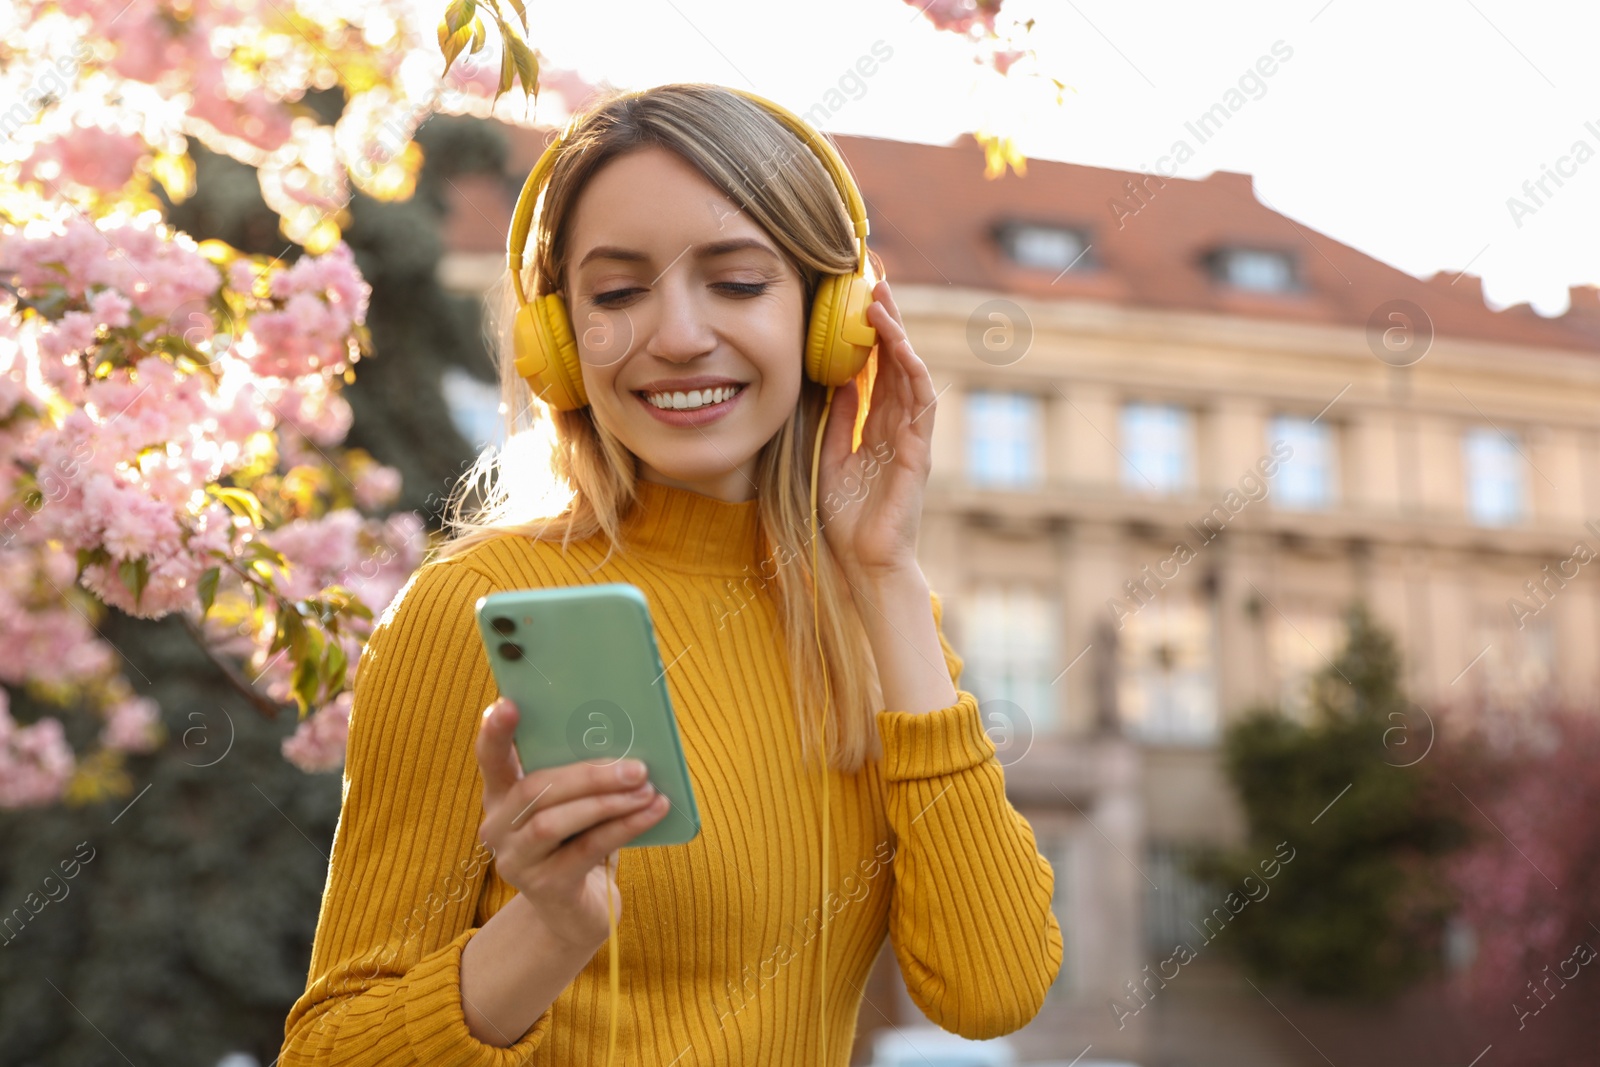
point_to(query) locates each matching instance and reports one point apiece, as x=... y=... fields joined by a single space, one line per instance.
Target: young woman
x=687 y=229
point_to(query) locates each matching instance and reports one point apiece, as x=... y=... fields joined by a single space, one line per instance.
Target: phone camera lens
x=510 y=651
x=503 y=625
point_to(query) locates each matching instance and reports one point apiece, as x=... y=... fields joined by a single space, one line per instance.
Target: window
x=1010 y=655
x=1048 y=247
x=1167 y=689
x=1304 y=639
x=1172 y=914
x=1003 y=438
x=1494 y=477
x=1255 y=269
x=1307 y=478
x=474 y=407
x=1157 y=456
x=1518 y=667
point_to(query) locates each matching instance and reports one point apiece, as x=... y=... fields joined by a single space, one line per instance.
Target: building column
x=1243 y=669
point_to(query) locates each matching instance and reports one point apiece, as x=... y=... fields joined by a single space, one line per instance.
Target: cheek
x=779 y=354
x=599 y=383
x=600 y=357
x=781 y=378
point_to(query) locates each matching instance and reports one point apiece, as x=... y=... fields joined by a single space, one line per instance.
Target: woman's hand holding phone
x=553 y=830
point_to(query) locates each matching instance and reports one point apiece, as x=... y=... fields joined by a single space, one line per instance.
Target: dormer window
x=1259 y=270
x=1043 y=245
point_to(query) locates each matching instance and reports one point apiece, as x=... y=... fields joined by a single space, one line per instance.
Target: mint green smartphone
x=581 y=664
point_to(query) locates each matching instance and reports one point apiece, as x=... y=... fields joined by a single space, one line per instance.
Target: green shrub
x=1360 y=913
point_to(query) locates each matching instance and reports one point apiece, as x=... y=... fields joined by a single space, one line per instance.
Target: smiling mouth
x=692 y=399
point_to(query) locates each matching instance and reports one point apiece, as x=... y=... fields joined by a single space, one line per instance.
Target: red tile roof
x=933 y=217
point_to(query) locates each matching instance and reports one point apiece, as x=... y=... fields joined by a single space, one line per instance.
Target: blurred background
x=1265 y=496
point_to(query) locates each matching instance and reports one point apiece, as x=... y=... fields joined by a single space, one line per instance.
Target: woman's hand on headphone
x=869 y=504
x=553 y=830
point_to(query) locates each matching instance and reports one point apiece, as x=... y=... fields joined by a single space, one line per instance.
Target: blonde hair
x=562 y=476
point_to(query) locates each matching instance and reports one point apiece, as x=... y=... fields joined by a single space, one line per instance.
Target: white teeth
x=695 y=398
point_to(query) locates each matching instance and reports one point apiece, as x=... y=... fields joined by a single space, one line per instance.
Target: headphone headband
x=522 y=219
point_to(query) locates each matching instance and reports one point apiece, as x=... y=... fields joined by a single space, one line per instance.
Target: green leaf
x=305 y=683
x=241 y=502
x=508 y=71
x=343 y=601
x=299 y=636
x=459 y=14
x=522 y=13
x=259 y=549
x=479 y=36
x=208 y=590
x=527 y=64
x=280 y=633
x=264 y=572
x=334 y=663
x=452 y=45
x=135 y=575
x=291 y=632
x=89 y=556
x=315 y=646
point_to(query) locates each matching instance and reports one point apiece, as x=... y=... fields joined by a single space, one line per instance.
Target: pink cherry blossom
x=1535 y=791
x=377 y=486
x=318 y=743
x=320 y=299
x=35 y=762
x=142 y=378
x=110 y=307
x=1003 y=60
x=959 y=16
x=574 y=90
x=90 y=156
x=133 y=725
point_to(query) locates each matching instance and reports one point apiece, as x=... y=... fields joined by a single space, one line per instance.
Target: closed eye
x=609 y=299
x=615 y=296
x=747 y=288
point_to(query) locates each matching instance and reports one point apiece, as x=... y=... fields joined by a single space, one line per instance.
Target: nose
x=678 y=329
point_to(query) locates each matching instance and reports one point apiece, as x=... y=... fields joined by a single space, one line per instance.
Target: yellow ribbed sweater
x=719 y=938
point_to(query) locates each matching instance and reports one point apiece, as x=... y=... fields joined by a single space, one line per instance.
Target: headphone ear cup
x=547 y=354
x=839 y=340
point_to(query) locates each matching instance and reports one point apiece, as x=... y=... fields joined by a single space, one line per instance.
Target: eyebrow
x=705 y=251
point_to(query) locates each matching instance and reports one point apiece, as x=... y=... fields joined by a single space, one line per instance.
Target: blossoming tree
x=171 y=422
x=170 y=412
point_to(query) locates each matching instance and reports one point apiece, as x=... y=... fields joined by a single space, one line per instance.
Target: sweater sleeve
x=970 y=918
x=407 y=867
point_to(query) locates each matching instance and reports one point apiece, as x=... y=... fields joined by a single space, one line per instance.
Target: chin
x=693 y=473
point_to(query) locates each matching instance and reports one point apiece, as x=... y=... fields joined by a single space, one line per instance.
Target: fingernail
x=630 y=770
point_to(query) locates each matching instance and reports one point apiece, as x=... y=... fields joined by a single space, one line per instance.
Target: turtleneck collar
x=686 y=530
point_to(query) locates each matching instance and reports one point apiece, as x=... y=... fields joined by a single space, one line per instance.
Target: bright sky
x=1399 y=127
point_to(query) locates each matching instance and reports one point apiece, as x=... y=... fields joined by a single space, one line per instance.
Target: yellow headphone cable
x=816 y=631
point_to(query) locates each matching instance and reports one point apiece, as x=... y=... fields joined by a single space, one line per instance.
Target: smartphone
x=581 y=664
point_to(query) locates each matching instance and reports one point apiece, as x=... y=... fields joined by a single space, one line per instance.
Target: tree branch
x=260 y=701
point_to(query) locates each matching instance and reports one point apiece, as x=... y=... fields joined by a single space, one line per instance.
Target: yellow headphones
x=837 y=343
